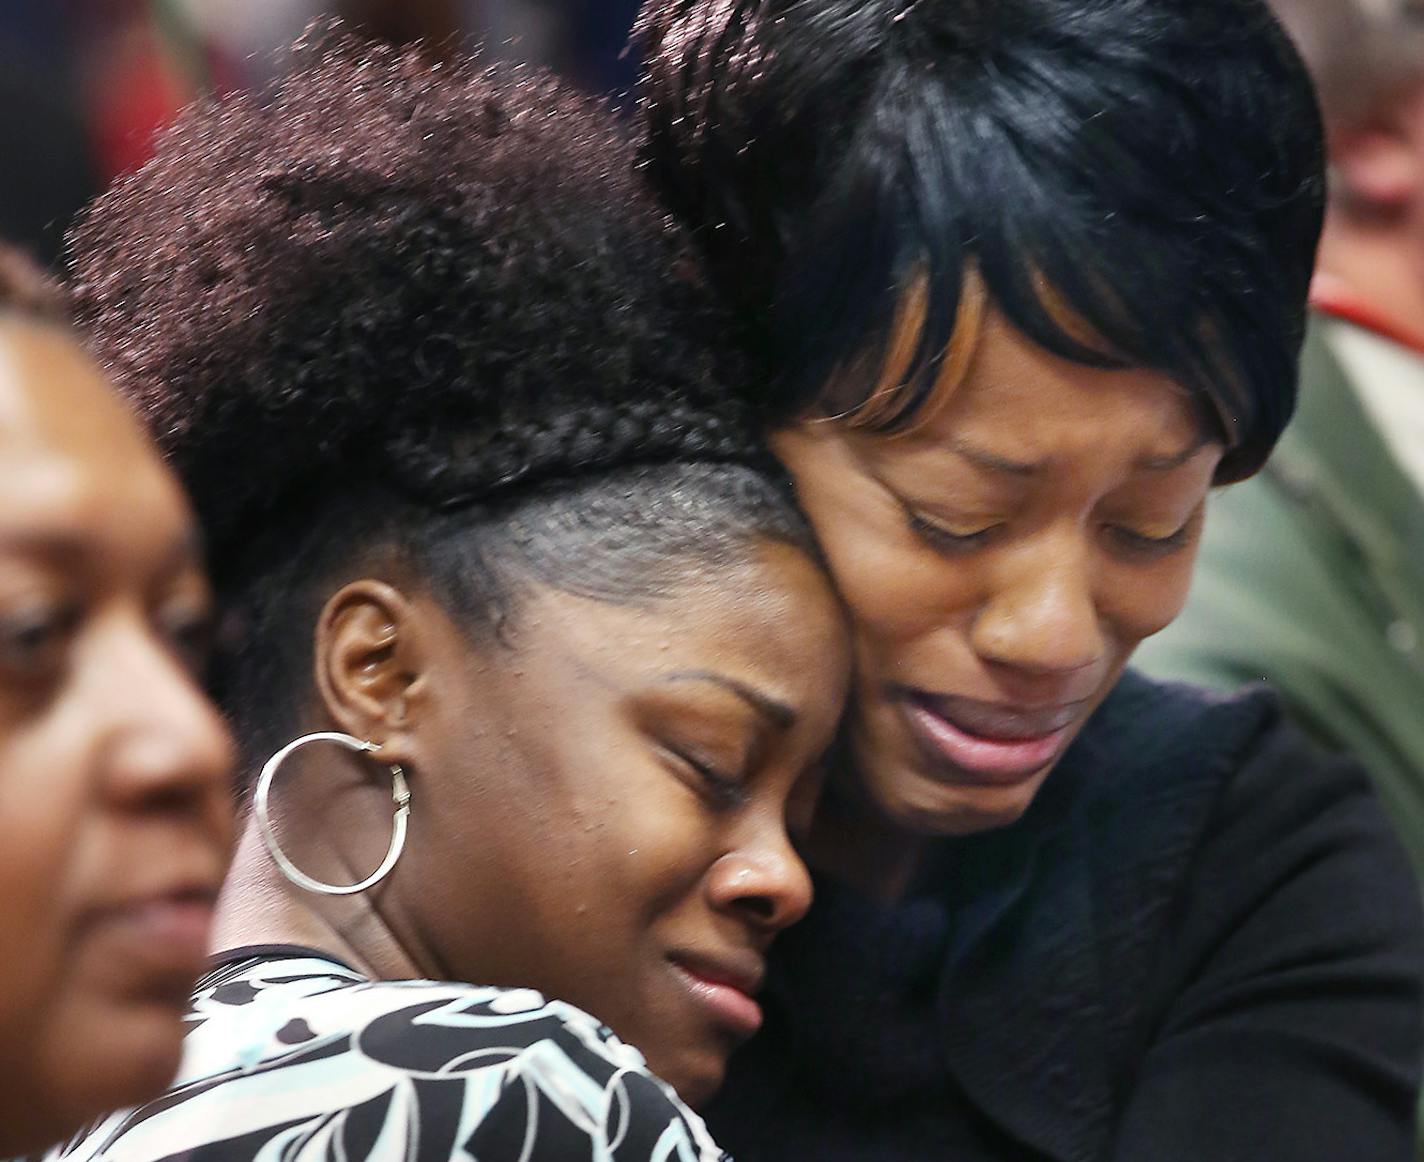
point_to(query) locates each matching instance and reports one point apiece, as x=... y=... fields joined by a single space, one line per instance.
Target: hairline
x=953 y=366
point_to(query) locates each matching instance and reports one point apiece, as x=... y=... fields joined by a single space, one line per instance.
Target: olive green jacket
x=1311 y=577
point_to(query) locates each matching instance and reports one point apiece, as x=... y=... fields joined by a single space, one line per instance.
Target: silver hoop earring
x=400 y=795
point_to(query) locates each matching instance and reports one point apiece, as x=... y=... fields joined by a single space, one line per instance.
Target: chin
x=96 y=1086
x=918 y=804
x=151 y=1073
x=134 y=1062
x=695 y=1076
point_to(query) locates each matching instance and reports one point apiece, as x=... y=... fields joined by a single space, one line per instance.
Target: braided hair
x=398 y=311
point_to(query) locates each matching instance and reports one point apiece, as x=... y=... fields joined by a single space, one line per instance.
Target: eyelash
x=945 y=541
x=30 y=642
x=723 y=790
x=1153 y=546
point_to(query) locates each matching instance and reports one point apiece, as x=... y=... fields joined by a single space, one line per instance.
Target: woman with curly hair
x=115 y=817
x=523 y=630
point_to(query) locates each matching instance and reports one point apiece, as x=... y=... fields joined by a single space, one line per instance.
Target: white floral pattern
x=292 y=1057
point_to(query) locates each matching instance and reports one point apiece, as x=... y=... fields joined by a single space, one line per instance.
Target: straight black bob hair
x=1137 y=183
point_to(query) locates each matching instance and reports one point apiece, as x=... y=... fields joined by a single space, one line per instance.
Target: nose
x=164 y=745
x=1040 y=616
x=763 y=882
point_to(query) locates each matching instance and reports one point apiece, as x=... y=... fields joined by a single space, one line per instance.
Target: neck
x=853 y=842
x=1381 y=261
x=258 y=906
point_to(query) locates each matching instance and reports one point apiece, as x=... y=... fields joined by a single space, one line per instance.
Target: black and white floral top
x=293 y=1057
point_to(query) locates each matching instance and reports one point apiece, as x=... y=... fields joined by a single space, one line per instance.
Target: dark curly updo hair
x=396 y=312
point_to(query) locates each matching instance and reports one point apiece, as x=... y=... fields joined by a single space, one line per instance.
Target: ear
x=370 y=662
x=1379 y=167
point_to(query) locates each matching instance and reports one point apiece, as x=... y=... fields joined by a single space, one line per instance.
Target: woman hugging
x=527 y=648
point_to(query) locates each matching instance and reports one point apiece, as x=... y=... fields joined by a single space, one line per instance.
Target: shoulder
x=321 y=1064
x=1187 y=799
x=1256 y=908
x=1152 y=736
x=1207 y=761
x=1215 y=811
x=1297 y=842
x=1281 y=964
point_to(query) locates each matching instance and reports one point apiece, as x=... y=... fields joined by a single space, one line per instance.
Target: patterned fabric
x=295 y=1058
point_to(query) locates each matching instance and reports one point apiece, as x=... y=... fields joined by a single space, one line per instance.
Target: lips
x=158 y=939
x=724 y=986
x=991 y=743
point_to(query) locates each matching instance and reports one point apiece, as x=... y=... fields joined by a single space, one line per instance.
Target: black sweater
x=1201 y=944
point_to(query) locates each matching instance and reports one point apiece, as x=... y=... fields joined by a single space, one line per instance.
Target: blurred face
x=114 y=800
x=1001 y=562
x=609 y=803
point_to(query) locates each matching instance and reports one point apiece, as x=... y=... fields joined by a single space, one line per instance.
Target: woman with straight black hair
x=529 y=651
x=1030 y=278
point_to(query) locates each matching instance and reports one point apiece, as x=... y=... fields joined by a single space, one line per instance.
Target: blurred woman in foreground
x=115 y=811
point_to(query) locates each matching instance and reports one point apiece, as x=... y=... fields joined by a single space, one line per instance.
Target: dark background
x=84 y=84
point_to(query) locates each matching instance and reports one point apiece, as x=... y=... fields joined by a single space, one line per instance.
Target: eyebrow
x=1173 y=459
x=72 y=548
x=780 y=714
x=993 y=462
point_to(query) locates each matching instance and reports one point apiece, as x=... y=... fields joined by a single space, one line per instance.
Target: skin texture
x=115 y=804
x=604 y=796
x=994 y=554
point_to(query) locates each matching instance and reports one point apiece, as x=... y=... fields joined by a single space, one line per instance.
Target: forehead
x=73 y=461
x=770 y=620
x=52 y=394
x=1031 y=405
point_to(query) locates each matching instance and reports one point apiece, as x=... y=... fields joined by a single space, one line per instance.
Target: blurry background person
x=115 y=810
x=85 y=84
x=1311 y=576
x=464 y=430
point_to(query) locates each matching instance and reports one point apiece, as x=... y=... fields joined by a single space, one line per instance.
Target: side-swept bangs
x=1137 y=185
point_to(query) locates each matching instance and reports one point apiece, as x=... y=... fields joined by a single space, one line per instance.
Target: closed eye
x=944 y=539
x=1149 y=546
x=34 y=640
x=722 y=790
